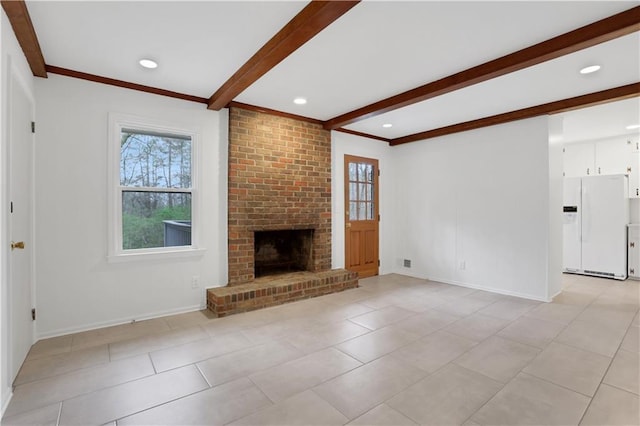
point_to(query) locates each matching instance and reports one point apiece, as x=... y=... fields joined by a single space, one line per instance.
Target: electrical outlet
x=195 y=281
x=463 y=265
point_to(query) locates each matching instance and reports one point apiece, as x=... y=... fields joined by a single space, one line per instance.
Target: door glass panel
x=362 y=211
x=353 y=211
x=353 y=176
x=361 y=172
x=353 y=191
x=361 y=191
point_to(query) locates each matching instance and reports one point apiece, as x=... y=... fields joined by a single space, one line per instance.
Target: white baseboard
x=119 y=321
x=493 y=290
x=478 y=287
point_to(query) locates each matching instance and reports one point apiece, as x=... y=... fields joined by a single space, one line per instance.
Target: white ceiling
x=376 y=50
x=549 y=81
x=198 y=45
x=599 y=122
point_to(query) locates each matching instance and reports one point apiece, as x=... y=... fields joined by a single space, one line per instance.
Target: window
x=153 y=188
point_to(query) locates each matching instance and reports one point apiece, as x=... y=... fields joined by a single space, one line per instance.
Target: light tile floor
x=396 y=351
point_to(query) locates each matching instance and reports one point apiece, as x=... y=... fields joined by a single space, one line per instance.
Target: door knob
x=18 y=245
x=348 y=225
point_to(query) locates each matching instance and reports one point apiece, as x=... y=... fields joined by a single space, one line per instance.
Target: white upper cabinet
x=579 y=159
x=613 y=156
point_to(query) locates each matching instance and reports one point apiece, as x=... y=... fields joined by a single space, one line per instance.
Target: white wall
x=474 y=209
x=345 y=144
x=555 y=236
x=77 y=289
x=12 y=62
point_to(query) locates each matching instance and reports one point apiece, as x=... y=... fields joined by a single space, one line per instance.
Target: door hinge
x=629 y=169
x=378 y=172
x=378 y=262
x=632 y=271
x=378 y=218
x=11 y=207
x=33 y=127
x=632 y=244
x=33 y=314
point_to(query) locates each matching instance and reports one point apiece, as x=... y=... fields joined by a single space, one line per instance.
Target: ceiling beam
x=20 y=20
x=605 y=96
x=315 y=17
x=124 y=84
x=590 y=35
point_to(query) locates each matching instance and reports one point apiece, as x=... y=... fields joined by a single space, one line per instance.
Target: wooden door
x=361 y=215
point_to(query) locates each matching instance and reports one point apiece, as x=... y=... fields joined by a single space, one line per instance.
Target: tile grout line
x=519 y=372
x=606 y=372
x=510 y=322
x=203 y=375
x=59 y=413
x=63 y=372
x=155 y=371
x=159 y=405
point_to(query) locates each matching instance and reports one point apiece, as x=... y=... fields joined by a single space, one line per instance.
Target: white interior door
x=20 y=224
x=572 y=227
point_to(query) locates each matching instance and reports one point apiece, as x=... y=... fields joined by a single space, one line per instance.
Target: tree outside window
x=155 y=189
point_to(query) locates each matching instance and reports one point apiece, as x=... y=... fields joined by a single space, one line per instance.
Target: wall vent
x=407 y=263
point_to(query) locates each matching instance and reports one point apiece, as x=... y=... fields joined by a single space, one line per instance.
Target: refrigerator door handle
x=586 y=220
x=579 y=215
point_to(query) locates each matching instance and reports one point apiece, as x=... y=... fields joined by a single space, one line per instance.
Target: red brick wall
x=279 y=178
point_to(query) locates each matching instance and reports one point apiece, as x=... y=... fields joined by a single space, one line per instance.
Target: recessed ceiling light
x=299 y=101
x=590 y=69
x=633 y=126
x=148 y=63
x=387 y=125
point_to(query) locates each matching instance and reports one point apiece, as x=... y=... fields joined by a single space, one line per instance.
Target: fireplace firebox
x=278 y=252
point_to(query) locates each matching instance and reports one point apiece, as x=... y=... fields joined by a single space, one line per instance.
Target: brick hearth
x=277 y=289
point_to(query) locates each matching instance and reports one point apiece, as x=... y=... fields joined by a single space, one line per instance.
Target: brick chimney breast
x=279 y=179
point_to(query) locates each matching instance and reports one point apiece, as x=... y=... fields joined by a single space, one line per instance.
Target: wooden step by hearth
x=278 y=289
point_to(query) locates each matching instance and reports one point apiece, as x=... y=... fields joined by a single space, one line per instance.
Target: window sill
x=156 y=255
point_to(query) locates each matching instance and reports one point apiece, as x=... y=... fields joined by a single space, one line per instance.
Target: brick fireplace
x=279 y=214
x=279 y=180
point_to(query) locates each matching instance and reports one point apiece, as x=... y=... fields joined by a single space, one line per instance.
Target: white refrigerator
x=596 y=214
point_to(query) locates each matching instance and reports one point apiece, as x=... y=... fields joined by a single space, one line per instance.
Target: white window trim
x=115 y=252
